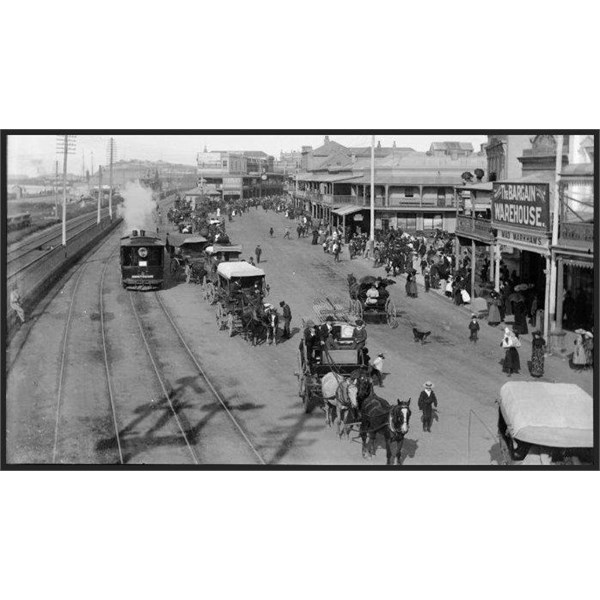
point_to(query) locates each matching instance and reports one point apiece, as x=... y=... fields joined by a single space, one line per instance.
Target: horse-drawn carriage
x=372 y=306
x=239 y=298
x=545 y=423
x=189 y=257
x=217 y=254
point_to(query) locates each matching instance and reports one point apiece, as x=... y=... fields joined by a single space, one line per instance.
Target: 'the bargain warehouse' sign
x=523 y=205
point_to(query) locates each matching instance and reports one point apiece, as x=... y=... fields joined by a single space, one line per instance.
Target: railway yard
x=103 y=375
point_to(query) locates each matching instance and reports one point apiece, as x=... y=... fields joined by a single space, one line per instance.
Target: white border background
x=296 y=535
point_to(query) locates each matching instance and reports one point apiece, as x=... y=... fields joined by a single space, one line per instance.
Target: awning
x=582 y=264
x=347 y=210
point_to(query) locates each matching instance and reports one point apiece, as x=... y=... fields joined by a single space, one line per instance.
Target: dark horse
x=378 y=416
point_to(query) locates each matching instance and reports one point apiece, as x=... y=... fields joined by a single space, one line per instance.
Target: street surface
x=258 y=385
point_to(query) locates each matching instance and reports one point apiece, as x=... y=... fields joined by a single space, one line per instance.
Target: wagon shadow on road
x=133 y=443
x=291 y=434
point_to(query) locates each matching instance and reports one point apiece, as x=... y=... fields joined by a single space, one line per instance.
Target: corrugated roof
x=384 y=178
x=326 y=177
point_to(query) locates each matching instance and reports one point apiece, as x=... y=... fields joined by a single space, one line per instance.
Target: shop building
x=414 y=191
x=241 y=174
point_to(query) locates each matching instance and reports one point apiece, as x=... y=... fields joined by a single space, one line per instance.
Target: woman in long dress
x=588 y=347
x=493 y=310
x=579 y=358
x=413 y=285
x=510 y=342
x=538 y=347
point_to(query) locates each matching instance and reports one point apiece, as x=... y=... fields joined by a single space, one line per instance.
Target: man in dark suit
x=427 y=400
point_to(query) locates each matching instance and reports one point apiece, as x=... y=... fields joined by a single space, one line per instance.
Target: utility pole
x=64 y=206
x=372 y=232
x=56 y=190
x=110 y=181
x=554 y=242
x=99 y=192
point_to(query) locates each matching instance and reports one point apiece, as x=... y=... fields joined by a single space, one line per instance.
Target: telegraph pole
x=99 y=192
x=64 y=206
x=56 y=190
x=110 y=181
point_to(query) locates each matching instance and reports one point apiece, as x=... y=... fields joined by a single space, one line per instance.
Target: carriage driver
x=372 y=295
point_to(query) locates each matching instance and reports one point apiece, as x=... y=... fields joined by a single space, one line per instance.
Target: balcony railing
x=580 y=235
x=480 y=228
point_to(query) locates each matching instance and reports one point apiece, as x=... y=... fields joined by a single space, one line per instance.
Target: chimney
x=326 y=140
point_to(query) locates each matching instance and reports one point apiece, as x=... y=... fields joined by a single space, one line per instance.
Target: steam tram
x=142 y=261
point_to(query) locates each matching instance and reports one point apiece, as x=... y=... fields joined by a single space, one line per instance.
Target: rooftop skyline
x=36 y=154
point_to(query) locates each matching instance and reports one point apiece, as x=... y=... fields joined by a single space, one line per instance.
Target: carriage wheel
x=301 y=385
x=230 y=323
x=391 y=315
x=210 y=292
x=220 y=315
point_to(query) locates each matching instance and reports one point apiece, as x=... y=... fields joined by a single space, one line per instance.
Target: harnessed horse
x=343 y=400
x=378 y=416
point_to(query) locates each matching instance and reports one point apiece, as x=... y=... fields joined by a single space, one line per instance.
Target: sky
x=37 y=154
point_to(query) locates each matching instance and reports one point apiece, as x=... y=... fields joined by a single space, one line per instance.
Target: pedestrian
x=588 y=347
x=365 y=358
x=287 y=233
x=15 y=304
x=473 y=328
x=287 y=318
x=413 y=285
x=258 y=252
x=510 y=342
x=271 y=232
x=336 y=251
x=251 y=261
x=579 y=358
x=427 y=400
x=377 y=369
x=538 y=347
x=427 y=277
x=494 y=309
x=188 y=272
x=360 y=334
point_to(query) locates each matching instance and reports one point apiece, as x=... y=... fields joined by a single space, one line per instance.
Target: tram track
x=65 y=354
x=208 y=382
x=205 y=418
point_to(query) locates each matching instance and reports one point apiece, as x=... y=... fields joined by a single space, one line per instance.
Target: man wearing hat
x=377 y=369
x=360 y=334
x=258 y=252
x=427 y=400
x=287 y=318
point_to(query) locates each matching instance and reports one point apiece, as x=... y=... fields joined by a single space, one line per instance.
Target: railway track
x=206 y=422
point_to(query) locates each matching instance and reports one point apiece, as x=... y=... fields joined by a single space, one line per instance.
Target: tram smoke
x=138 y=207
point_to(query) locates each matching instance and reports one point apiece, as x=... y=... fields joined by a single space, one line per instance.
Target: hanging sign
x=521 y=205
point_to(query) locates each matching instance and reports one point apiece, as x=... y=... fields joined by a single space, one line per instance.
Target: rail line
x=28 y=245
x=161 y=380
x=81 y=269
x=106 y=365
x=63 y=360
x=208 y=382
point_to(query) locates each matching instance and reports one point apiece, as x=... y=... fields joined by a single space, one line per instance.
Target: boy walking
x=473 y=328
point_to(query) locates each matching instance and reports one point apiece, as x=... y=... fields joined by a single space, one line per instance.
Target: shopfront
x=521 y=220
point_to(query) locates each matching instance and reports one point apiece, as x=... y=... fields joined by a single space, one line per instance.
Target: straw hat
x=428 y=385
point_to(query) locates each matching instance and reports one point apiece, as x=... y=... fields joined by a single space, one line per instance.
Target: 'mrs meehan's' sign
x=523 y=205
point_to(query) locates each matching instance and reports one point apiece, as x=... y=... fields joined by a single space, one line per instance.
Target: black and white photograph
x=300 y=299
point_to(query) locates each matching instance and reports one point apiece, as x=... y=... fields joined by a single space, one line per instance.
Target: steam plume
x=138 y=207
